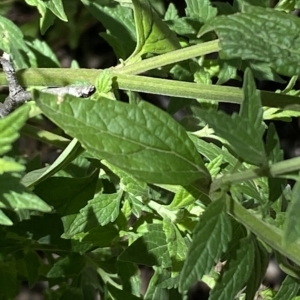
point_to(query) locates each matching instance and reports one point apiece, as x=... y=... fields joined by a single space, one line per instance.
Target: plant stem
x=267 y=233
x=62 y=77
x=171 y=57
x=275 y=170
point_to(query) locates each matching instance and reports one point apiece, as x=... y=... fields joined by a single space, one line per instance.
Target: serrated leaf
x=260 y=265
x=68 y=266
x=292 y=225
x=210 y=239
x=12 y=42
x=122 y=36
x=103 y=82
x=171 y=13
x=13 y=195
x=151 y=249
x=176 y=244
x=236 y=272
x=159 y=151
x=10 y=127
x=242 y=136
x=153 y=36
x=10 y=166
x=202 y=10
x=101 y=210
x=277 y=43
x=251 y=108
x=181 y=199
x=288 y=290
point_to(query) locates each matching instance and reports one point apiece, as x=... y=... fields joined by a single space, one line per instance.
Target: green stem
x=267 y=233
x=62 y=77
x=276 y=170
x=171 y=57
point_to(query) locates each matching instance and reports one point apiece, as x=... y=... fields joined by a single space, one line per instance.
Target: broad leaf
x=159 y=151
x=151 y=249
x=277 y=43
x=8 y=278
x=101 y=210
x=153 y=36
x=210 y=239
x=56 y=6
x=236 y=272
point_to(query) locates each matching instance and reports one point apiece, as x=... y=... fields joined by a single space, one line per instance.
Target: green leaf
x=159 y=151
x=236 y=272
x=176 y=244
x=10 y=127
x=13 y=195
x=67 y=156
x=260 y=265
x=292 y=225
x=68 y=266
x=277 y=43
x=171 y=13
x=67 y=195
x=56 y=6
x=8 y=279
x=7 y=165
x=151 y=249
x=12 y=41
x=242 y=136
x=117 y=294
x=200 y=10
x=210 y=239
x=4 y=220
x=103 y=82
x=120 y=35
x=153 y=36
x=101 y=210
x=181 y=199
x=32 y=263
x=251 y=108
x=288 y=290
x=275 y=154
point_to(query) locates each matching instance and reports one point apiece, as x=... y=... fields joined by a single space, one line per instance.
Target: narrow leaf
x=159 y=151
x=210 y=239
x=277 y=43
x=261 y=262
x=251 y=108
x=236 y=272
